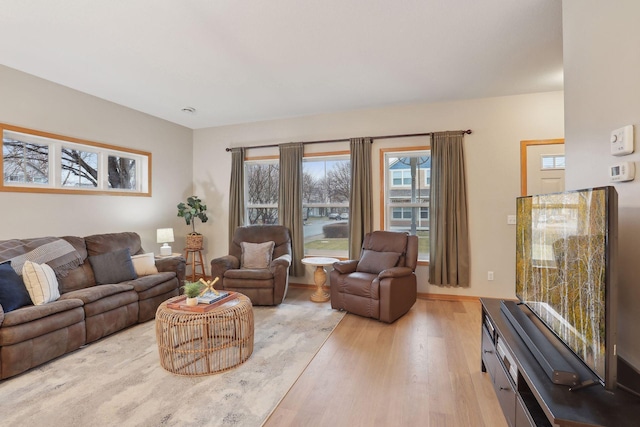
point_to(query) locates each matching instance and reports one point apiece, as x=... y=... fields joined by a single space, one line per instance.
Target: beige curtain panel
x=448 y=221
x=361 y=201
x=290 y=201
x=236 y=191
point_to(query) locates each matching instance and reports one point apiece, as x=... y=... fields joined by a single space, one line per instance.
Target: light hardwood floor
x=422 y=370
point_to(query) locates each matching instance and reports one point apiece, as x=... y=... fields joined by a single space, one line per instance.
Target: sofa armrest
x=174 y=264
x=395 y=272
x=222 y=264
x=345 y=267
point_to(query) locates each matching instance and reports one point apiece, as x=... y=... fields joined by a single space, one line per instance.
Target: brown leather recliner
x=382 y=283
x=266 y=285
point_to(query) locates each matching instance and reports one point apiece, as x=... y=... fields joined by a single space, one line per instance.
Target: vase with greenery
x=191 y=211
x=192 y=291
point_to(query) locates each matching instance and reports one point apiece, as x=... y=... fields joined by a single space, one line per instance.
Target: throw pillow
x=144 y=264
x=13 y=294
x=374 y=262
x=256 y=255
x=41 y=283
x=113 y=267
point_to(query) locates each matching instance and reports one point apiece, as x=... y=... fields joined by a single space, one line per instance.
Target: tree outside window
x=261 y=186
x=29 y=159
x=326 y=187
x=326 y=190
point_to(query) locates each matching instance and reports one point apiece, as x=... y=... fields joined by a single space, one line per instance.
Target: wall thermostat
x=622 y=141
x=625 y=171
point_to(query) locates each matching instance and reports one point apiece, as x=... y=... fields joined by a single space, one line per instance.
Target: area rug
x=118 y=381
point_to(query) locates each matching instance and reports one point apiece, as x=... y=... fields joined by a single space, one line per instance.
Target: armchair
x=382 y=283
x=254 y=267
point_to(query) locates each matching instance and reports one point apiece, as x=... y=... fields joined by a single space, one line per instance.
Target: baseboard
x=303 y=285
x=447 y=297
x=437 y=297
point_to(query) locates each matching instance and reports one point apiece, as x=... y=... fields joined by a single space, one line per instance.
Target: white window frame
x=56 y=143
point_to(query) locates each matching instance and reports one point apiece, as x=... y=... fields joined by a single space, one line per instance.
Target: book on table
x=211 y=297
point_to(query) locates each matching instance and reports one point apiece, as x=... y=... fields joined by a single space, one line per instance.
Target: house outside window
x=407 y=178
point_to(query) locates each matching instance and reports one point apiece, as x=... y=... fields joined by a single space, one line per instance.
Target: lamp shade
x=165 y=235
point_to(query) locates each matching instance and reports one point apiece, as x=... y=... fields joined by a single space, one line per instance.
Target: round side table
x=203 y=343
x=319 y=276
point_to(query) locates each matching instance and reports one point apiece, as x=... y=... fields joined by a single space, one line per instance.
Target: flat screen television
x=565 y=271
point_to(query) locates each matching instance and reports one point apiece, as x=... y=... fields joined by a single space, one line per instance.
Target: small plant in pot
x=190 y=211
x=192 y=291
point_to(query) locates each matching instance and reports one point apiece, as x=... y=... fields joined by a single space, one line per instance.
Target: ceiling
x=244 y=61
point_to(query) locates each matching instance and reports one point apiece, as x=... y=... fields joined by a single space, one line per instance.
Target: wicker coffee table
x=207 y=342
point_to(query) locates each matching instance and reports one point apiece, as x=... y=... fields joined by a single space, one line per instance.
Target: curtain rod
x=407 y=135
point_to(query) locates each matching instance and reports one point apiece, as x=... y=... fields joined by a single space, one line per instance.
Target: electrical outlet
x=511 y=219
x=490 y=275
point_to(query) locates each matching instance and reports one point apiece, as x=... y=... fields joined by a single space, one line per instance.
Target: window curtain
x=236 y=192
x=448 y=220
x=361 y=201
x=290 y=201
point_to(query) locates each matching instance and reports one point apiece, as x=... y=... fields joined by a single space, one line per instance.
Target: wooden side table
x=203 y=343
x=319 y=276
x=196 y=261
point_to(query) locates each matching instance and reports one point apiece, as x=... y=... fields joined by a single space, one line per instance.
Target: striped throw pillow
x=41 y=282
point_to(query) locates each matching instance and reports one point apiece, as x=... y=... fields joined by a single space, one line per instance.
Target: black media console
x=525 y=386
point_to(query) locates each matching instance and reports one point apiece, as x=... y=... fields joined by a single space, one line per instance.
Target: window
x=35 y=161
x=401 y=178
x=552 y=161
x=326 y=188
x=261 y=191
x=407 y=178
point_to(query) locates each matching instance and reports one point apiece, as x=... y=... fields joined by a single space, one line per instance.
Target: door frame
x=523 y=158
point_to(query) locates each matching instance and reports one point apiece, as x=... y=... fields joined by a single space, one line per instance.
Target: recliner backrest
x=392 y=241
x=259 y=234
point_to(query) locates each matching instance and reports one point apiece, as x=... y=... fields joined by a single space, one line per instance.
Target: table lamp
x=165 y=236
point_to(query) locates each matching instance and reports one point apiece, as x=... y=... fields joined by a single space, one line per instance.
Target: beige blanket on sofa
x=59 y=254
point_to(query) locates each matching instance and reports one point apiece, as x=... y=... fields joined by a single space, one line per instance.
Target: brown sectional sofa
x=86 y=311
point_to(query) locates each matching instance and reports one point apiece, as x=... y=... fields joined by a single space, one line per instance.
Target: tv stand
x=527 y=395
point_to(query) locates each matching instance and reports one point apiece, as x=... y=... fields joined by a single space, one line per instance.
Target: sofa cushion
x=41 y=325
x=144 y=264
x=34 y=312
x=374 y=262
x=144 y=283
x=162 y=288
x=95 y=293
x=251 y=274
x=13 y=293
x=256 y=255
x=113 y=267
x=102 y=243
x=41 y=283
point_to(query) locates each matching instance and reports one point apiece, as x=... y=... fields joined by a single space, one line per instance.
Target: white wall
x=602 y=93
x=492 y=158
x=30 y=102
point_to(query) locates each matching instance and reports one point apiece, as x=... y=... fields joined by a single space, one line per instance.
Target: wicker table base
x=205 y=343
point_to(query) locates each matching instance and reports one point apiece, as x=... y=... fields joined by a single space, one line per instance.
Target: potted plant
x=190 y=211
x=192 y=291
